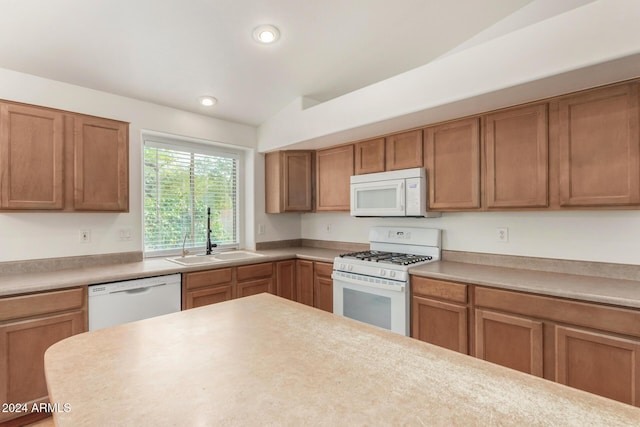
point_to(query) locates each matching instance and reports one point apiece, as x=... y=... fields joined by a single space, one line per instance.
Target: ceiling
x=171 y=52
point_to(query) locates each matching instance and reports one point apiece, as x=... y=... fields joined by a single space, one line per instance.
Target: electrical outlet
x=85 y=236
x=124 y=234
x=261 y=229
x=327 y=228
x=502 y=234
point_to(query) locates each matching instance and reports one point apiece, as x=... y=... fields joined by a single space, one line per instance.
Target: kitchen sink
x=213 y=258
x=194 y=259
x=234 y=255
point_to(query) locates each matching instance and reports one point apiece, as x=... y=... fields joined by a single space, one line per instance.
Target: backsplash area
x=600 y=236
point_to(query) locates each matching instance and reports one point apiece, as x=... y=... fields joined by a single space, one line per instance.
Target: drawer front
x=43 y=303
x=206 y=278
x=439 y=289
x=255 y=271
x=323 y=269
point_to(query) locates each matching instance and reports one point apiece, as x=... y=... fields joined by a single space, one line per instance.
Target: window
x=182 y=180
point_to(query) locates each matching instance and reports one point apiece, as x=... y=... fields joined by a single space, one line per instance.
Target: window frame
x=203 y=147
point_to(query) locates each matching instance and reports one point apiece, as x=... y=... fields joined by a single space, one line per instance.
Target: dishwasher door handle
x=138 y=291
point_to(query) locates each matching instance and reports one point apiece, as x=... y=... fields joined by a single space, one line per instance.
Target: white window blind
x=180 y=183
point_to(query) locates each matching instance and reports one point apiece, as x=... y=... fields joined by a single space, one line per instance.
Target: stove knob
x=383 y=272
x=392 y=274
x=351 y=268
x=342 y=266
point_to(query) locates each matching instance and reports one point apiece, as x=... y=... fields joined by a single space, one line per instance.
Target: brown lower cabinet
x=589 y=346
x=314 y=286
x=29 y=324
x=439 y=313
x=307 y=282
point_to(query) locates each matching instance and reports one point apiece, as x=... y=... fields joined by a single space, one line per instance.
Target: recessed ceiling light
x=208 y=101
x=266 y=34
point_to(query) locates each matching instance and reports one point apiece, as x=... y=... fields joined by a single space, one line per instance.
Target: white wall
x=49 y=235
x=604 y=236
x=583 y=47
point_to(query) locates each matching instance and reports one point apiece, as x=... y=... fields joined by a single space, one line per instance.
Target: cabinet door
x=511 y=341
x=304 y=282
x=31 y=158
x=599 y=147
x=517 y=158
x=101 y=165
x=254 y=287
x=298 y=194
x=440 y=323
x=206 y=296
x=286 y=279
x=22 y=347
x=452 y=158
x=370 y=156
x=334 y=170
x=599 y=363
x=323 y=286
x=404 y=150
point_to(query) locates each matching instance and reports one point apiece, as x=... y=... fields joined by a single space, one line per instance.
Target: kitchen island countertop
x=263 y=360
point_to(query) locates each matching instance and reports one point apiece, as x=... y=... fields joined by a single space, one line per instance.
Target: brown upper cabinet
x=369 y=156
x=452 y=159
x=31 y=157
x=101 y=167
x=56 y=160
x=404 y=150
x=599 y=147
x=517 y=158
x=334 y=170
x=289 y=181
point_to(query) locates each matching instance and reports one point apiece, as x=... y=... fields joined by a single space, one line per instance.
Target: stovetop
x=395 y=258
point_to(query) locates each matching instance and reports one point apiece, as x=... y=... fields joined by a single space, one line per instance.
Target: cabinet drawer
x=207 y=278
x=323 y=269
x=43 y=303
x=439 y=289
x=255 y=271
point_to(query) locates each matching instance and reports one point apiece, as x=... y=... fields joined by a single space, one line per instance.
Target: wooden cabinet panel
x=452 y=158
x=201 y=279
x=334 y=170
x=323 y=286
x=31 y=158
x=29 y=324
x=440 y=323
x=101 y=165
x=253 y=287
x=404 y=150
x=517 y=158
x=22 y=347
x=304 y=282
x=210 y=295
x=599 y=147
x=370 y=156
x=456 y=292
x=599 y=363
x=255 y=271
x=509 y=340
x=42 y=303
x=286 y=279
x=288 y=181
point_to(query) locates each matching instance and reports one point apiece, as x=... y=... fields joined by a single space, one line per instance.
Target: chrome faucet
x=185 y=252
x=209 y=244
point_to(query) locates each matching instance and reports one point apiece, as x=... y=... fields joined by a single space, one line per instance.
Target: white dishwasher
x=115 y=303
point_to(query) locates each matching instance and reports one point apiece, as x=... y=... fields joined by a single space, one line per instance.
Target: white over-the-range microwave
x=401 y=193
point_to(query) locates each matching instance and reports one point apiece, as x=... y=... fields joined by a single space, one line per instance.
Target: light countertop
x=263 y=360
x=625 y=293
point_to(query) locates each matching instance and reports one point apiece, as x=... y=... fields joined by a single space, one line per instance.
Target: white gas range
x=373 y=286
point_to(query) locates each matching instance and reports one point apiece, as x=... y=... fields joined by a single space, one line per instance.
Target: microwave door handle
x=401 y=196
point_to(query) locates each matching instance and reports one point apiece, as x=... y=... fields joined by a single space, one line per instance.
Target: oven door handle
x=341 y=278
